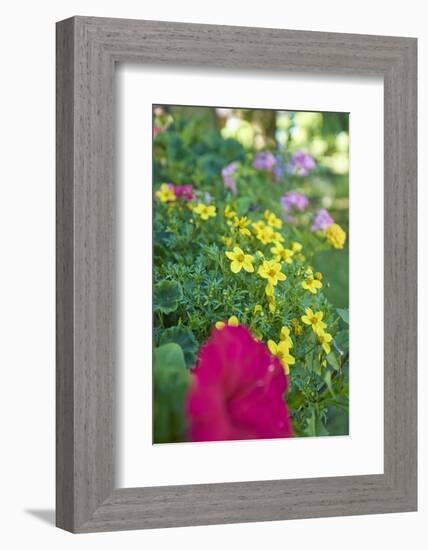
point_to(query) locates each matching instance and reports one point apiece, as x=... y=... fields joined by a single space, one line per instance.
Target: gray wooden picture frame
x=87 y=50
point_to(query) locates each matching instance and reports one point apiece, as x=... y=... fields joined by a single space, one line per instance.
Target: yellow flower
x=296 y=247
x=231 y=322
x=297 y=327
x=282 y=254
x=271 y=270
x=277 y=238
x=318 y=275
x=324 y=338
x=284 y=336
x=205 y=211
x=272 y=220
x=271 y=303
x=314 y=319
x=264 y=232
x=229 y=213
x=241 y=225
x=227 y=240
x=240 y=260
x=311 y=284
x=258 y=226
x=335 y=235
x=282 y=351
x=270 y=297
x=258 y=309
x=166 y=193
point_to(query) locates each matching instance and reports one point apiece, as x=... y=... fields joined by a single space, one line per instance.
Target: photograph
x=250 y=274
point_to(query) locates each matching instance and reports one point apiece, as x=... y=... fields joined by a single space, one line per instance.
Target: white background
x=27 y=273
x=362 y=451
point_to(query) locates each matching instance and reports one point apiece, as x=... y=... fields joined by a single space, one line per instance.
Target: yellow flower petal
x=235 y=266
x=326 y=347
x=233 y=321
x=272 y=347
x=269 y=290
x=248 y=266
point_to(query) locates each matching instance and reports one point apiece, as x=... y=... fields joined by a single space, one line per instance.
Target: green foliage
x=170 y=385
x=195 y=152
x=167 y=296
x=333 y=264
x=169 y=356
x=344 y=313
x=182 y=336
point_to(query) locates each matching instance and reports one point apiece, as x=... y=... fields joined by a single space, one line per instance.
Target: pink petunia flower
x=237 y=390
x=184 y=192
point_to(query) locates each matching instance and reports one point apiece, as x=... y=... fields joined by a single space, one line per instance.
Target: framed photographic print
x=236 y=274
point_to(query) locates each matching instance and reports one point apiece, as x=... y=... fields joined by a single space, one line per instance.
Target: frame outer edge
x=65 y=274
x=94 y=273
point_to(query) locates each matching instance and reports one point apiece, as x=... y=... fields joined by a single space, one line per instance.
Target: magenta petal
x=238 y=390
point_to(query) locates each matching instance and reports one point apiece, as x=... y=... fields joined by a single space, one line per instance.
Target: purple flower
x=279 y=169
x=322 y=220
x=228 y=180
x=301 y=163
x=293 y=199
x=264 y=161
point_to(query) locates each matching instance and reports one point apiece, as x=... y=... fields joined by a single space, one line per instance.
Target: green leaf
x=314 y=425
x=167 y=295
x=344 y=313
x=184 y=337
x=328 y=382
x=311 y=429
x=342 y=340
x=333 y=264
x=242 y=205
x=171 y=382
x=169 y=356
x=332 y=360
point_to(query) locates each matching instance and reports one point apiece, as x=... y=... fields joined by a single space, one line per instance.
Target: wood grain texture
x=87 y=50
